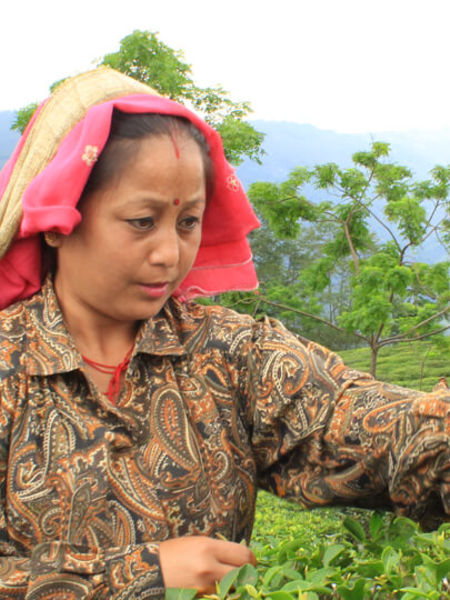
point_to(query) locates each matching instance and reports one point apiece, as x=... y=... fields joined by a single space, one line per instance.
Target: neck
x=99 y=338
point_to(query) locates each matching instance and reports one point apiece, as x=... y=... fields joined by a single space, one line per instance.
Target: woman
x=136 y=426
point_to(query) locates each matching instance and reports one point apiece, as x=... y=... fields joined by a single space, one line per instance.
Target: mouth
x=156 y=290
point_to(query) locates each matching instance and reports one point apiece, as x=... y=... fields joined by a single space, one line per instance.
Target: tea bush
x=341 y=554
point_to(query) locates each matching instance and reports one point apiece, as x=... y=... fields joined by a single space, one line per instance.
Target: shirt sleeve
x=323 y=433
x=57 y=569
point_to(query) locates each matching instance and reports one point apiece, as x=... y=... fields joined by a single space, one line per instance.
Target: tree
x=144 y=57
x=394 y=297
x=281 y=295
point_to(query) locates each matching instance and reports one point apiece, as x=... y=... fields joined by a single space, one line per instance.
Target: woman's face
x=139 y=235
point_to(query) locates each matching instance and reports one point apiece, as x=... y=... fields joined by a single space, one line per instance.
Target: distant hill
x=8 y=138
x=289 y=145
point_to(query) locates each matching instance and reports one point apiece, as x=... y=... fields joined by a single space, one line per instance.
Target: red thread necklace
x=114 y=370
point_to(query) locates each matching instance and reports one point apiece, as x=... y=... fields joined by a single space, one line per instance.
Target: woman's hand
x=198 y=561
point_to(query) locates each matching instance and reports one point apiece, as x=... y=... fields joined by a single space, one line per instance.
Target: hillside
x=414 y=365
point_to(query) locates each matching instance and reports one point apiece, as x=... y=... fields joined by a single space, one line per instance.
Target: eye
x=189 y=223
x=143 y=224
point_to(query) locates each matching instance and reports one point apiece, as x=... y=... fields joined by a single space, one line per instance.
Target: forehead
x=176 y=153
x=161 y=169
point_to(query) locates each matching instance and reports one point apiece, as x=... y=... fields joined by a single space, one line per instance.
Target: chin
x=149 y=311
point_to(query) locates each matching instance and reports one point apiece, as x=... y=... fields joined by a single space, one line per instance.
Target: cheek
x=193 y=248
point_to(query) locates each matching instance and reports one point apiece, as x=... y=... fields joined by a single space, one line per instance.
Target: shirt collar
x=161 y=335
x=50 y=348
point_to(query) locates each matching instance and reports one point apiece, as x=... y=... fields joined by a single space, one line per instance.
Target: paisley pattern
x=213 y=405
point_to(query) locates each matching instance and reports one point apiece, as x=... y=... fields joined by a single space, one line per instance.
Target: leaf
x=355 y=529
x=390 y=558
x=443 y=569
x=271 y=575
x=251 y=590
x=247 y=574
x=291 y=573
x=226 y=583
x=370 y=568
x=288 y=550
x=332 y=552
x=418 y=593
x=180 y=594
x=279 y=595
x=356 y=592
x=375 y=524
x=294 y=586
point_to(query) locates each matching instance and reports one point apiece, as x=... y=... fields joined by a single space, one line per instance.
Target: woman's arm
x=323 y=433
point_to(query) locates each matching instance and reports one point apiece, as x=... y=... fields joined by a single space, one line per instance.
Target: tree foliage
x=394 y=296
x=23 y=116
x=282 y=295
x=146 y=58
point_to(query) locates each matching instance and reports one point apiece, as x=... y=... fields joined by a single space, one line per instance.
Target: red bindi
x=176 y=202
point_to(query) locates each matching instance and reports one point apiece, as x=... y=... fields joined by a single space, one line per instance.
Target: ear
x=53 y=239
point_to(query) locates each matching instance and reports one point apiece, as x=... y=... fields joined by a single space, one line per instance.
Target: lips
x=156 y=290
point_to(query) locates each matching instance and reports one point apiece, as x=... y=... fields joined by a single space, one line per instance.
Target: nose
x=165 y=249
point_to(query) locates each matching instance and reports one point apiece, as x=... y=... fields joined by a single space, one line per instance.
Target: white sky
x=346 y=65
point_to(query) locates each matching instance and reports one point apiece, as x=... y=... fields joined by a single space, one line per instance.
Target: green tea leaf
x=320 y=576
x=288 y=550
x=226 y=583
x=291 y=573
x=281 y=596
x=294 y=586
x=180 y=594
x=370 y=568
x=375 y=524
x=356 y=592
x=355 y=529
x=251 y=590
x=390 y=559
x=412 y=593
x=271 y=575
x=247 y=574
x=331 y=553
x=443 y=569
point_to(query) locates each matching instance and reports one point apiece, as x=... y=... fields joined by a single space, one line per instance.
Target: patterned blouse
x=214 y=404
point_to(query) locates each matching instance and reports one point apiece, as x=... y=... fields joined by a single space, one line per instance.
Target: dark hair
x=127 y=130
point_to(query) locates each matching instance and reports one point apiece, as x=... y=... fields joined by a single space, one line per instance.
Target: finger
x=231 y=553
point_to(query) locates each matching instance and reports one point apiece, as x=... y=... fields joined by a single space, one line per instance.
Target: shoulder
x=227 y=329
x=224 y=328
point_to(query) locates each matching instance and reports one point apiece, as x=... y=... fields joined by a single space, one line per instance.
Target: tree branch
x=402 y=335
x=379 y=221
x=315 y=317
x=353 y=252
x=414 y=339
x=433 y=212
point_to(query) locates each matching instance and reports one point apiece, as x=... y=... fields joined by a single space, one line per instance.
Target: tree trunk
x=373 y=360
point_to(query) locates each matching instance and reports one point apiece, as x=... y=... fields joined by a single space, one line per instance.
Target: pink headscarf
x=224 y=261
